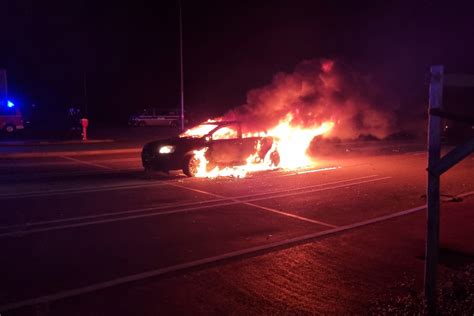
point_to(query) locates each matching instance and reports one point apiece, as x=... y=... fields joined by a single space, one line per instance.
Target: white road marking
x=79 y=161
x=305 y=219
x=225 y=202
x=289 y=173
x=17 y=164
x=200 y=262
x=295 y=189
x=278 y=196
x=465 y=194
x=71 y=153
x=258 y=206
x=76 y=190
x=86 y=189
x=69 y=173
x=319 y=170
x=176 y=205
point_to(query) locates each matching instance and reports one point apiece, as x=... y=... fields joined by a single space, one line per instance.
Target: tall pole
x=181 y=63
x=433 y=199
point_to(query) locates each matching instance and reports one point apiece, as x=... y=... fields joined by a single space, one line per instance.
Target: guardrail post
x=433 y=191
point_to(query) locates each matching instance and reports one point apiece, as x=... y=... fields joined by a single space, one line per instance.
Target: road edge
x=38 y=154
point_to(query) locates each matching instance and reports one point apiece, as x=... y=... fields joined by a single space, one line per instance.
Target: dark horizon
x=129 y=53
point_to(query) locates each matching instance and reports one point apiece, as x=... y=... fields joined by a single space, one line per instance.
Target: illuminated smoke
x=315 y=92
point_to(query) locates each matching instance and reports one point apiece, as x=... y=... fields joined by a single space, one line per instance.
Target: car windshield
x=199 y=130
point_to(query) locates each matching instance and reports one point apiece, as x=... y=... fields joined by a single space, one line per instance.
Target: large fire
x=318 y=98
x=290 y=141
x=293 y=142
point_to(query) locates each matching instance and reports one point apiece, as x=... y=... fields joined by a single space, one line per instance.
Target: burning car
x=212 y=145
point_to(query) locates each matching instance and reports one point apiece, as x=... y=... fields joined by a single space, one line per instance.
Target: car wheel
x=9 y=128
x=191 y=165
x=275 y=158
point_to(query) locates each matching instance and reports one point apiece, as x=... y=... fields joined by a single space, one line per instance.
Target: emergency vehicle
x=10 y=117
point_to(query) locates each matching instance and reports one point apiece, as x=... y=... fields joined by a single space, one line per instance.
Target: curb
x=71 y=153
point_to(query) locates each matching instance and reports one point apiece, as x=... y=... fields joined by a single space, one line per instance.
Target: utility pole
x=181 y=63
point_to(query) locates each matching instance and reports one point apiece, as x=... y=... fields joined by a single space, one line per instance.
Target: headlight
x=166 y=149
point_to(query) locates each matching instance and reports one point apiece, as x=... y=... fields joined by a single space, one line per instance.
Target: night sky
x=129 y=52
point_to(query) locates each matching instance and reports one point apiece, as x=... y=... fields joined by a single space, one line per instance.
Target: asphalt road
x=94 y=235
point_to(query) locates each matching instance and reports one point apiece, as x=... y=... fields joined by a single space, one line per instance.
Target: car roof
x=221 y=122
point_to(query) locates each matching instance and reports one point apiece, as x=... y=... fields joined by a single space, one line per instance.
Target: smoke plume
x=315 y=92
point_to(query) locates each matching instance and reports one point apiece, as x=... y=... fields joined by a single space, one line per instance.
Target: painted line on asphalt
x=176 y=205
x=82 y=162
x=465 y=194
x=248 y=202
x=17 y=164
x=305 y=219
x=289 y=173
x=319 y=170
x=67 y=174
x=199 y=204
x=40 y=154
x=77 y=190
x=228 y=202
x=287 y=214
x=257 y=250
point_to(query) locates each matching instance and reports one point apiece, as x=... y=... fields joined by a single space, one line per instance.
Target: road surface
x=93 y=235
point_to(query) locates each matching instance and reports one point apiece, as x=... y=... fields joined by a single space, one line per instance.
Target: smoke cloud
x=315 y=92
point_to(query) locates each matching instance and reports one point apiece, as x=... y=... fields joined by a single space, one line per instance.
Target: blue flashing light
x=10 y=104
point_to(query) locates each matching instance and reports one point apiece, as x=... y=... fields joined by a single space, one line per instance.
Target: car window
x=246 y=132
x=199 y=130
x=167 y=113
x=226 y=132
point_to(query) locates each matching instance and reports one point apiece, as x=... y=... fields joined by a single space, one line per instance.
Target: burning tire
x=191 y=164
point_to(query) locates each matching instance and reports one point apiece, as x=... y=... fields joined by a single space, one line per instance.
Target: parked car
x=223 y=141
x=154 y=117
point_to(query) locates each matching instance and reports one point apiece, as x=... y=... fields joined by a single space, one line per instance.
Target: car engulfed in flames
x=220 y=148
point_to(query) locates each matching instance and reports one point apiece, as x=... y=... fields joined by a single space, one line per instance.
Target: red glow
x=327 y=66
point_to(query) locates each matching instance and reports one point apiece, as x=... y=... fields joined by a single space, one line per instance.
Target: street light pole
x=181 y=63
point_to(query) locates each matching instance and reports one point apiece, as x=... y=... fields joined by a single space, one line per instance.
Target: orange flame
x=291 y=142
x=200 y=130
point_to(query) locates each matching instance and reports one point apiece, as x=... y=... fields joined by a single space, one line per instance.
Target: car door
x=249 y=146
x=225 y=145
x=161 y=119
x=148 y=119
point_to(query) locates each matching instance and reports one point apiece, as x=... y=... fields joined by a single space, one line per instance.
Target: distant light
x=10 y=104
